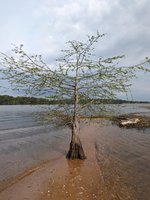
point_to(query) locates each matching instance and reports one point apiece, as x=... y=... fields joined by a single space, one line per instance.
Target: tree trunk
x=76 y=149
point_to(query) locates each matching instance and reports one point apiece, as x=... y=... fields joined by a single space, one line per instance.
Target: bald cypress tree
x=80 y=78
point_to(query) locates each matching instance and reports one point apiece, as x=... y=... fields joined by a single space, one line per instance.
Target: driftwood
x=132 y=121
x=128 y=121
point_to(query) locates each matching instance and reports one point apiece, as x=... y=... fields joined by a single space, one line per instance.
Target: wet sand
x=112 y=170
x=76 y=179
x=60 y=178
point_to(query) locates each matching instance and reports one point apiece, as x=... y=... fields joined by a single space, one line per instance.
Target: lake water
x=124 y=159
x=20 y=116
x=25 y=142
x=123 y=154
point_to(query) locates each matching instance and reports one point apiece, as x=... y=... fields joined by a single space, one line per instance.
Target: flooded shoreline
x=124 y=158
x=123 y=155
x=25 y=148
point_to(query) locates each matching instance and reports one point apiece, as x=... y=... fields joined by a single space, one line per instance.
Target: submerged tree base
x=76 y=151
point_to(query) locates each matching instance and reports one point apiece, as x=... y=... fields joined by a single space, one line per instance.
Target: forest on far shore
x=21 y=100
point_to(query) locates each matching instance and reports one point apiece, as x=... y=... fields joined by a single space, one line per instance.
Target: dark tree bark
x=76 y=149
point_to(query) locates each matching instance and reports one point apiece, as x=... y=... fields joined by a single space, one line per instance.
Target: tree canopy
x=79 y=75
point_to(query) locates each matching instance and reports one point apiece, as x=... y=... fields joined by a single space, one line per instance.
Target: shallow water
x=24 y=142
x=124 y=158
x=123 y=154
x=24 y=148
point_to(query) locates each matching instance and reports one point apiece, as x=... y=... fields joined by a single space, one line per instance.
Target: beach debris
x=132 y=121
x=128 y=121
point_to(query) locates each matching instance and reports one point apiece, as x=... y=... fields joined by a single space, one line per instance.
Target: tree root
x=76 y=151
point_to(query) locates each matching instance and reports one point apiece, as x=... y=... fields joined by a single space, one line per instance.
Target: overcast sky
x=44 y=26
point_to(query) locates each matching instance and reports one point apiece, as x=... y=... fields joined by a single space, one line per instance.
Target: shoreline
x=77 y=179
x=71 y=177
x=117 y=167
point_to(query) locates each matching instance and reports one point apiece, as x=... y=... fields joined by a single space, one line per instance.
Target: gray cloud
x=45 y=26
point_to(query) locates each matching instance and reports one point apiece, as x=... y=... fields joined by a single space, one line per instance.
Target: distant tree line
x=21 y=100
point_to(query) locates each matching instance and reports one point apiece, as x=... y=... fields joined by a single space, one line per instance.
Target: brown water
x=23 y=149
x=124 y=159
x=123 y=154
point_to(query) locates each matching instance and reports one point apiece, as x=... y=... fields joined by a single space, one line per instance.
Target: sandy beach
x=116 y=168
